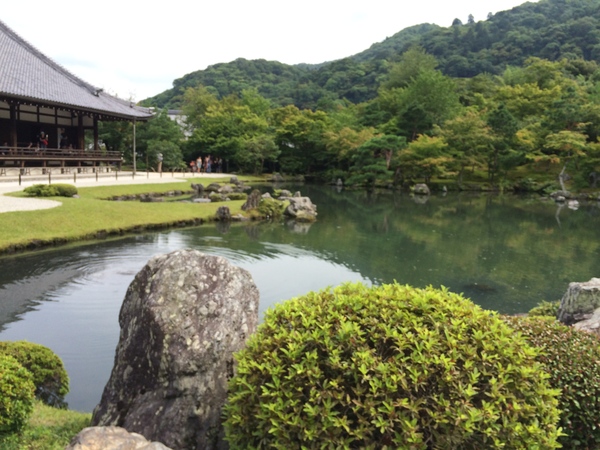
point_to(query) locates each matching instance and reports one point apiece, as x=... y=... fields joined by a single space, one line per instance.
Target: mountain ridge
x=549 y=29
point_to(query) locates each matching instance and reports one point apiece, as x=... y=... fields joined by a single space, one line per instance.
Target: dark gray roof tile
x=27 y=73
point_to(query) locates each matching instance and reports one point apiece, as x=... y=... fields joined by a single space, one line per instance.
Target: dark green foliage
x=51 y=190
x=372 y=161
x=49 y=376
x=547 y=309
x=160 y=136
x=16 y=395
x=571 y=358
x=388 y=367
x=271 y=208
x=391 y=47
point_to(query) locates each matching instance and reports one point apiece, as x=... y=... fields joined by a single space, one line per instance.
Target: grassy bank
x=91 y=216
x=48 y=429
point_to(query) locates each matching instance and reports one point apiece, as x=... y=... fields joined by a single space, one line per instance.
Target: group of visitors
x=206 y=165
x=41 y=142
x=42 y=139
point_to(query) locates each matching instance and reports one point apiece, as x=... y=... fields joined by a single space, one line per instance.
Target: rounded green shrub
x=41 y=190
x=65 y=190
x=572 y=360
x=388 y=367
x=51 y=190
x=49 y=375
x=16 y=394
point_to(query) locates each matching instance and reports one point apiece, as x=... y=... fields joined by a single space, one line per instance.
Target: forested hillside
x=511 y=103
x=549 y=29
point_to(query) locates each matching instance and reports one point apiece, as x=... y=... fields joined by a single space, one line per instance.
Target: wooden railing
x=55 y=154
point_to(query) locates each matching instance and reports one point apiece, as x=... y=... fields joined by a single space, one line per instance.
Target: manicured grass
x=89 y=216
x=104 y=192
x=48 y=429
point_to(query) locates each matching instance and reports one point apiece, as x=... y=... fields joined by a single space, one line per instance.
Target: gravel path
x=11 y=204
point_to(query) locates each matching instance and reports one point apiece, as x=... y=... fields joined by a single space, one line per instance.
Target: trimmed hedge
x=51 y=190
x=49 y=375
x=388 y=367
x=572 y=360
x=16 y=395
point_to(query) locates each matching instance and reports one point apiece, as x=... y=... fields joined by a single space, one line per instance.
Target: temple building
x=48 y=116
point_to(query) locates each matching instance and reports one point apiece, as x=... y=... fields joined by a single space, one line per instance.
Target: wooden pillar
x=13 y=125
x=80 y=132
x=134 y=151
x=96 y=144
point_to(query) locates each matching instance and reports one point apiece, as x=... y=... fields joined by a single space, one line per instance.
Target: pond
x=506 y=253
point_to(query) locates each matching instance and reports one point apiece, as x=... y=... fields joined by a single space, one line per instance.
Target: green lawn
x=90 y=215
x=48 y=429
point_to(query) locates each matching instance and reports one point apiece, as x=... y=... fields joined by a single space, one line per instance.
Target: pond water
x=506 y=253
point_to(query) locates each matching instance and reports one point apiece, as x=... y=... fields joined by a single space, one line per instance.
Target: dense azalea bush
x=388 y=367
x=16 y=395
x=49 y=375
x=572 y=359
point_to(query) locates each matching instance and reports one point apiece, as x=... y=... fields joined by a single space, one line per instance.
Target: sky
x=135 y=49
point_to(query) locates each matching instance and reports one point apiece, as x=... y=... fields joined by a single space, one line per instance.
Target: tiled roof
x=28 y=74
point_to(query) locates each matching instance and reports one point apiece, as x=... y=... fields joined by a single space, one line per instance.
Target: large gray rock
x=111 y=438
x=301 y=209
x=252 y=201
x=226 y=189
x=199 y=188
x=223 y=214
x=580 y=301
x=183 y=317
x=213 y=187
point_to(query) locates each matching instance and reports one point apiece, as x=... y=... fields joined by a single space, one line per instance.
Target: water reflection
x=505 y=253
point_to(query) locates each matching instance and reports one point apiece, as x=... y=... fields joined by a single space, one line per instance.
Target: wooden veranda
x=62 y=160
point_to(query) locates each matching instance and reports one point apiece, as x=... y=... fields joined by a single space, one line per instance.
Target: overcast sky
x=135 y=49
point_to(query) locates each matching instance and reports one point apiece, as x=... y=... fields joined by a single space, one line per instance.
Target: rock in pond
x=183 y=317
x=580 y=301
x=301 y=209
